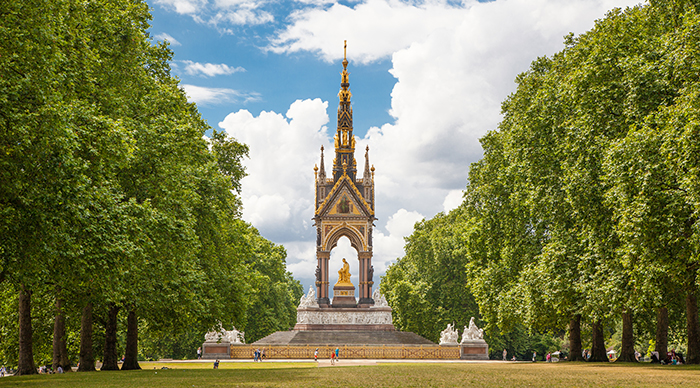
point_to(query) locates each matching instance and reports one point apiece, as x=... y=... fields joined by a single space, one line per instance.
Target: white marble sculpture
x=379 y=300
x=449 y=336
x=472 y=332
x=330 y=317
x=308 y=300
x=219 y=334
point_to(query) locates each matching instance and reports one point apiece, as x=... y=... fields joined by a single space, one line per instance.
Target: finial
x=345 y=56
x=367 y=149
x=315 y=167
x=321 y=148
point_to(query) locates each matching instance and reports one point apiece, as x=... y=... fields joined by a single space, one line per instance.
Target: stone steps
x=342 y=337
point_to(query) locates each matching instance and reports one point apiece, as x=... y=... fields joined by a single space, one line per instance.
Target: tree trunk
x=131 y=352
x=598 y=353
x=662 y=332
x=26 y=364
x=627 y=352
x=87 y=357
x=111 y=359
x=575 y=351
x=691 y=313
x=60 y=350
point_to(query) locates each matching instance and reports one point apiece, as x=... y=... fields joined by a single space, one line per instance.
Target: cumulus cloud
x=186 y=7
x=452 y=200
x=453 y=64
x=170 y=39
x=221 y=14
x=215 y=96
x=209 y=69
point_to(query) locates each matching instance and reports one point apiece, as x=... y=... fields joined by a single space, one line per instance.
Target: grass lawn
x=381 y=375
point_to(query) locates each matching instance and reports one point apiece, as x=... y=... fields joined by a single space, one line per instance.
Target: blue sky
x=427 y=77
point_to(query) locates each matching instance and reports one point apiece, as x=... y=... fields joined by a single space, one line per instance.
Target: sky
x=427 y=79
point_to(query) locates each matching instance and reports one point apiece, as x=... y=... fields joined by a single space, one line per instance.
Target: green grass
x=381 y=375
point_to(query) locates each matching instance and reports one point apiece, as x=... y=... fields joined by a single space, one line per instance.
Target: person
x=199 y=353
x=262 y=355
x=534 y=356
x=332 y=358
x=513 y=359
x=655 y=357
x=549 y=357
x=505 y=355
x=316 y=355
x=59 y=370
x=216 y=364
x=256 y=355
x=2 y=371
x=337 y=355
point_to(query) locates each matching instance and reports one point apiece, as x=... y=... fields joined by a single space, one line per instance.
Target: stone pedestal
x=373 y=318
x=474 y=350
x=344 y=296
x=214 y=350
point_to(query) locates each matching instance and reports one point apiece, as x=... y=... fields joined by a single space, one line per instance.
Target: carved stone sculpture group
x=450 y=335
x=221 y=335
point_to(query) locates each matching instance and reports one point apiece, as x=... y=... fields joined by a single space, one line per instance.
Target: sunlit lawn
x=497 y=374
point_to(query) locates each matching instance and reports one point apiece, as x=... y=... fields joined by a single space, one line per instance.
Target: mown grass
x=381 y=375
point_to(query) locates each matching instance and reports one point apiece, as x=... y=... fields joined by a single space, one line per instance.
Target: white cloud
x=170 y=39
x=215 y=96
x=243 y=16
x=186 y=7
x=454 y=65
x=452 y=200
x=278 y=191
x=210 y=69
x=221 y=14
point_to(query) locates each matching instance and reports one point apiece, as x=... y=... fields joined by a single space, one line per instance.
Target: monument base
x=344 y=296
x=474 y=350
x=215 y=350
x=368 y=318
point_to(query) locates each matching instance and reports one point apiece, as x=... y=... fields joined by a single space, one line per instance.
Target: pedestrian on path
x=534 y=356
x=332 y=358
x=199 y=353
x=337 y=354
x=316 y=355
x=505 y=355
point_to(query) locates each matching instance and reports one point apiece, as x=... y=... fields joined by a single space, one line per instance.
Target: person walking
x=199 y=353
x=337 y=354
x=332 y=358
x=534 y=356
x=505 y=355
x=316 y=355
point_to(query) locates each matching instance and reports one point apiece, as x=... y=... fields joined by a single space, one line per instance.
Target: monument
x=217 y=343
x=473 y=346
x=357 y=319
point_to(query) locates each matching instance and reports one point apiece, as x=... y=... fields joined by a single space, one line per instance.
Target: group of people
x=334 y=355
x=45 y=369
x=258 y=355
x=672 y=358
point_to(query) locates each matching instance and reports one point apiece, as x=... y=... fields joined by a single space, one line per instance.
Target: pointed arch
x=356 y=240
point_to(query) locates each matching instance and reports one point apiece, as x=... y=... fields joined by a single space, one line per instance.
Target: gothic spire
x=366 y=176
x=344 y=139
x=322 y=172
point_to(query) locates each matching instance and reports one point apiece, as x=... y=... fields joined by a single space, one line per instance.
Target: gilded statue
x=344 y=273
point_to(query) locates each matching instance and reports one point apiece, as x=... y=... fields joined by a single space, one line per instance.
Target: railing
x=350 y=351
